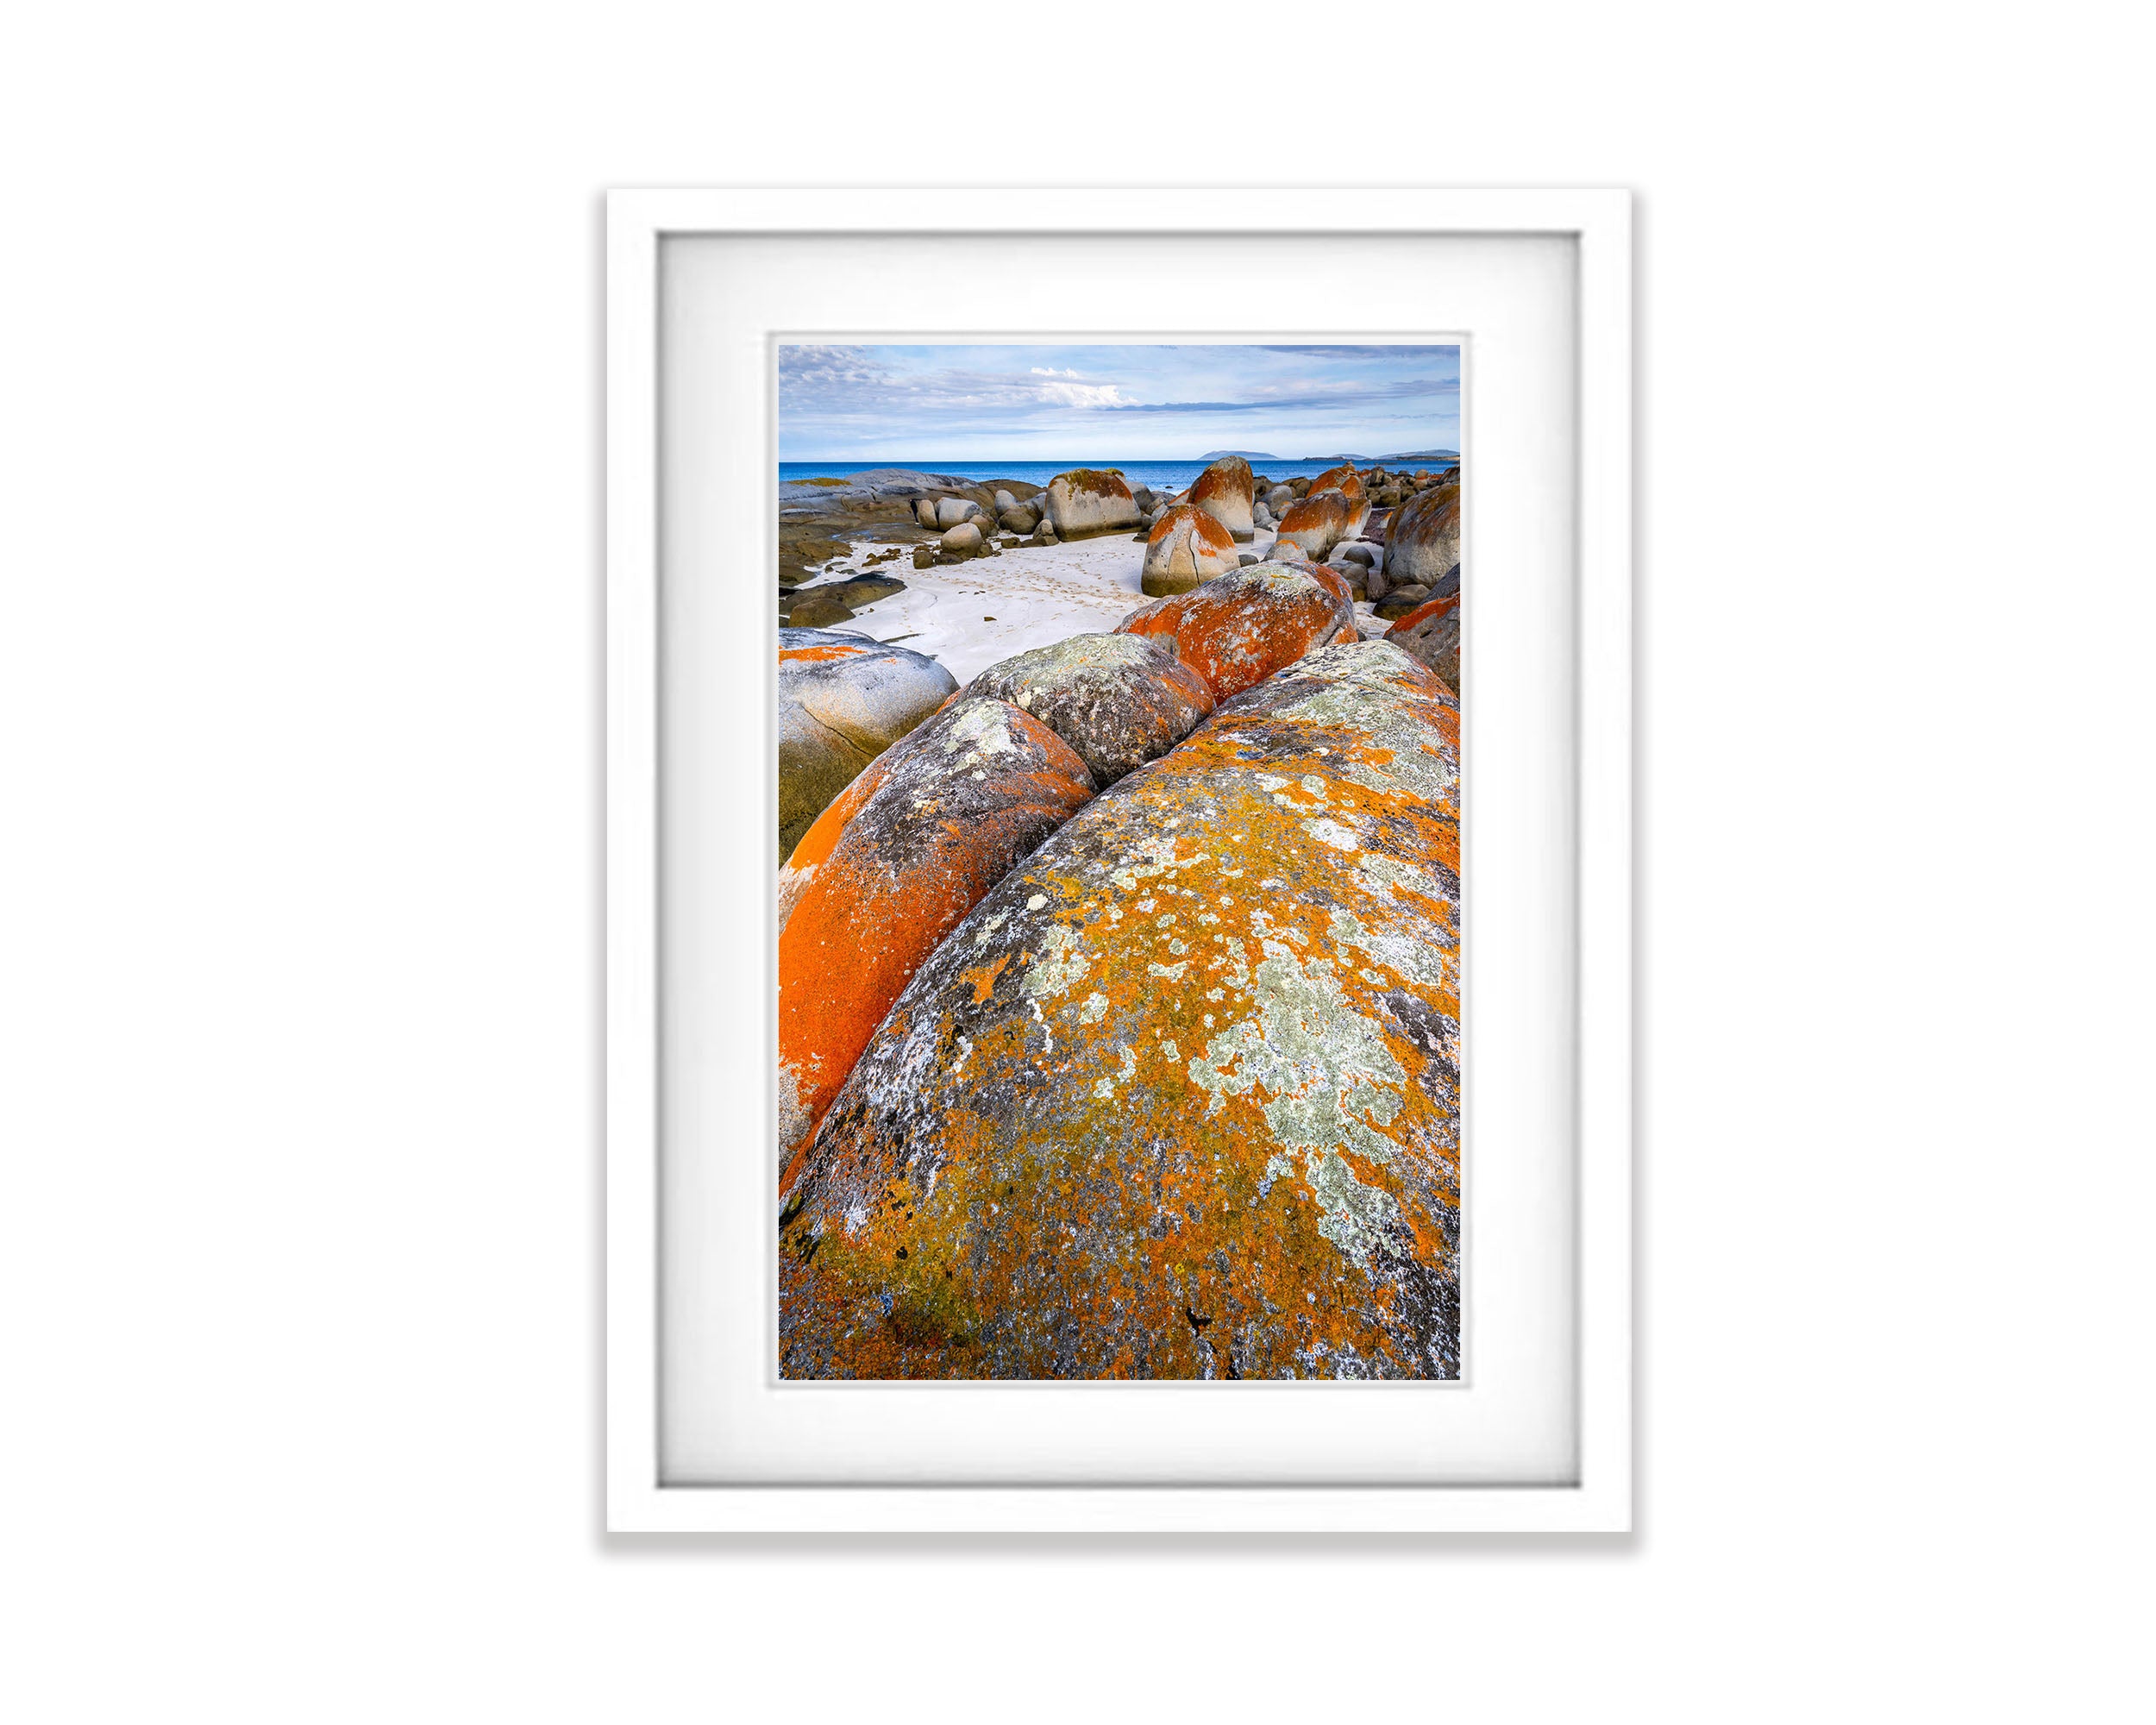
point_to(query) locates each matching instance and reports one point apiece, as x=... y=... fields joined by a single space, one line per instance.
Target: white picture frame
x=1597 y=1497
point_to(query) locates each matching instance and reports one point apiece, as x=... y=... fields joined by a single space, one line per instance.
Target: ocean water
x=1160 y=475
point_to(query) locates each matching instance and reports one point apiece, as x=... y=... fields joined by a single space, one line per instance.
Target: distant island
x=1247 y=454
x=1397 y=455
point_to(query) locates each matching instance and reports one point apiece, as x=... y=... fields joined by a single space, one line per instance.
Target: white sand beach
x=969 y=616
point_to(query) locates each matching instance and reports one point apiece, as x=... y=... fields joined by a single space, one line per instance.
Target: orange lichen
x=1318 y=523
x=1343 y=478
x=795 y=655
x=1429 y=612
x=1227 y=477
x=887 y=870
x=1238 y=629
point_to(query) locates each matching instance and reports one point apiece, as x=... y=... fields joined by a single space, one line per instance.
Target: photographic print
x=1118 y=897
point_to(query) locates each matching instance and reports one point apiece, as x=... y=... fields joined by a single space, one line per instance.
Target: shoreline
x=972 y=615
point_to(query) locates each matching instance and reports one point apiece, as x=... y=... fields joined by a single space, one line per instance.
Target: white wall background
x=298 y=946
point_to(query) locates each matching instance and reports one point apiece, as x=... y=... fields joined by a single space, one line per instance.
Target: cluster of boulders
x=1394 y=536
x=967 y=528
x=1118 y=1005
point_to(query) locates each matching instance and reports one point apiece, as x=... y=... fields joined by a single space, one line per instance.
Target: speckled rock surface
x=1317 y=524
x=1181 y=1097
x=1422 y=537
x=888 y=870
x=1430 y=633
x=843 y=700
x=1240 y=629
x=1186 y=547
x=1088 y=500
x=1227 y=491
x=1119 y=700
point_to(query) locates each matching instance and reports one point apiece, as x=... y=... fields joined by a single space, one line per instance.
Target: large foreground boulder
x=1089 y=500
x=1181 y=1097
x=1186 y=547
x=843 y=700
x=1227 y=491
x=1422 y=538
x=902 y=854
x=1240 y=629
x=1317 y=524
x=1430 y=633
x=1119 y=700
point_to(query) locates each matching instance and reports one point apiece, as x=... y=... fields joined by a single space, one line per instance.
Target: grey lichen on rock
x=843 y=700
x=1119 y=700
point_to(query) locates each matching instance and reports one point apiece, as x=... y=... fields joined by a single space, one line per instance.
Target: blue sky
x=940 y=405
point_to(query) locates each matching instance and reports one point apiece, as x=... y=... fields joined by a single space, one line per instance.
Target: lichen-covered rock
x=1430 y=633
x=1089 y=500
x=1344 y=479
x=1186 y=547
x=1181 y=1097
x=1318 y=523
x=1334 y=581
x=1227 y=491
x=843 y=700
x=1119 y=700
x=1422 y=537
x=896 y=860
x=1241 y=628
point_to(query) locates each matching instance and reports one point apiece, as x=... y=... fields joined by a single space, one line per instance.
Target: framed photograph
x=1119 y=881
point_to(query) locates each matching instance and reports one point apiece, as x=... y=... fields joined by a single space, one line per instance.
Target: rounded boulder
x=890 y=868
x=1422 y=537
x=1318 y=523
x=843 y=700
x=1119 y=700
x=1344 y=479
x=1227 y=491
x=950 y=510
x=1186 y=547
x=1431 y=635
x=1089 y=500
x=964 y=540
x=1180 y=1098
x=1239 y=629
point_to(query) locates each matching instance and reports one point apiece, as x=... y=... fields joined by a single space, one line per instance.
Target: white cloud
x=1082 y=395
